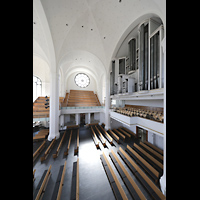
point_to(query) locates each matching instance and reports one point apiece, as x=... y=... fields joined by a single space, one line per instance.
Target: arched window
x=37 y=87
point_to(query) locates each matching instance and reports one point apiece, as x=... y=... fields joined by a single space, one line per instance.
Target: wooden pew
x=109 y=138
x=154 y=147
x=73 y=127
x=75 y=181
x=34 y=175
x=94 y=137
x=42 y=184
x=38 y=151
x=48 y=150
x=102 y=139
x=114 y=136
x=152 y=189
x=152 y=151
x=59 y=183
x=120 y=134
x=113 y=180
x=129 y=131
x=160 y=165
x=69 y=142
x=127 y=179
x=58 y=149
x=77 y=144
x=143 y=163
x=127 y=134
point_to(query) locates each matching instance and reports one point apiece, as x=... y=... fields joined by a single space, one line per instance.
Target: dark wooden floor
x=93 y=182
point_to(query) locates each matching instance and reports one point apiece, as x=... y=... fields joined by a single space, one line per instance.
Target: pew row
x=154 y=153
x=114 y=182
x=39 y=192
x=154 y=147
x=59 y=183
x=34 y=175
x=75 y=181
x=39 y=150
x=128 y=131
x=150 y=158
x=94 y=137
x=69 y=142
x=127 y=179
x=59 y=146
x=120 y=134
x=152 y=189
x=102 y=139
x=48 y=150
x=124 y=132
x=114 y=136
x=143 y=163
x=108 y=137
x=76 y=147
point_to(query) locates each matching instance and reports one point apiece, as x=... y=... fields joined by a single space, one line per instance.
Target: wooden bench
x=48 y=150
x=127 y=179
x=94 y=137
x=75 y=181
x=129 y=131
x=38 y=151
x=143 y=163
x=108 y=137
x=73 y=127
x=127 y=134
x=152 y=189
x=102 y=139
x=114 y=136
x=59 y=146
x=76 y=147
x=69 y=142
x=154 y=147
x=113 y=180
x=43 y=134
x=120 y=134
x=154 y=153
x=34 y=175
x=151 y=158
x=40 y=189
x=59 y=183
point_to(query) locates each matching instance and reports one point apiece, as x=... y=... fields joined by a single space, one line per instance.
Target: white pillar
x=107 y=103
x=61 y=120
x=77 y=118
x=163 y=178
x=54 y=106
x=88 y=118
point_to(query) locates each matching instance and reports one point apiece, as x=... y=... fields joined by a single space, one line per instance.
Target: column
x=107 y=103
x=88 y=118
x=77 y=118
x=54 y=106
x=163 y=178
x=61 y=121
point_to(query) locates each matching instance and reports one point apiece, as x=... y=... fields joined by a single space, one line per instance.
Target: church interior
x=99 y=99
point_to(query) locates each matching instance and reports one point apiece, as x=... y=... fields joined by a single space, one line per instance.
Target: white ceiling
x=104 y=22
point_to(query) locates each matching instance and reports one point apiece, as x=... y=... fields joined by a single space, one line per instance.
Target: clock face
x=82 y=80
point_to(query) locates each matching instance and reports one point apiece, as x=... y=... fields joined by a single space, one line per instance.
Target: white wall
x=154 y=103
x=41 y=70
x=71 y=85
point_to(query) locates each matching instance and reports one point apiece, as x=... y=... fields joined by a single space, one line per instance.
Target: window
x=37 y=87
x=82 y=80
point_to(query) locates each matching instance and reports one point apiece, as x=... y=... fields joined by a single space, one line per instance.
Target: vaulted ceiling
x=86 y=33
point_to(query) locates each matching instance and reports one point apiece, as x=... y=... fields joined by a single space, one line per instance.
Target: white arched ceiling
x=80 y=31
